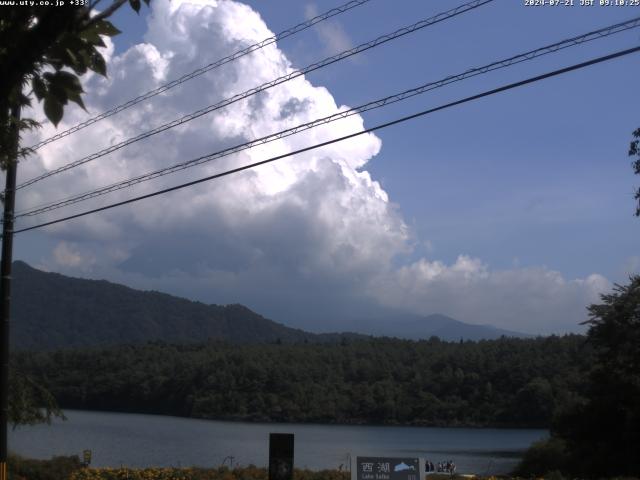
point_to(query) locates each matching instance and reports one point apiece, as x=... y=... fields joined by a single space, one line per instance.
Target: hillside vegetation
x=506 y=382
x=53 y=311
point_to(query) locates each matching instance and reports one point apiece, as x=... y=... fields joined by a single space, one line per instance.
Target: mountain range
x=416 y=327
x=52 y=311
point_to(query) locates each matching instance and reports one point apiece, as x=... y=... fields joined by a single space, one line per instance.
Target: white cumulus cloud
x=533 y=300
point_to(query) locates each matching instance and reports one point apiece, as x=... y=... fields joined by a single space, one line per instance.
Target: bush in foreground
x=58 y=468
x=194 y=473
x=542 y=458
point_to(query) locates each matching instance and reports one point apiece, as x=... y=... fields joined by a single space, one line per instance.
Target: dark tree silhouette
x=634 y=151
x=43 y=52
x=601 y=434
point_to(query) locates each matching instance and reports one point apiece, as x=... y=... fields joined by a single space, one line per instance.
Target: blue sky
x=536 y=179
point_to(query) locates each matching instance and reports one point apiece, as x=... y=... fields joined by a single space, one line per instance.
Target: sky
x=514 y=210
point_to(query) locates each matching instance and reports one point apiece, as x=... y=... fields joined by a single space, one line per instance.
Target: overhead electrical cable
x=529 y=55
x=345 y=137
x=196 y=73
x=265 y=86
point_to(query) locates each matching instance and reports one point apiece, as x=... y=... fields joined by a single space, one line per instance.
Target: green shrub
x=194 y=473
x=58 y=468
x=544 y=458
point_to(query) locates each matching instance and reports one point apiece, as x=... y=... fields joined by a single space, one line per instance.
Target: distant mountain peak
x=421 y=327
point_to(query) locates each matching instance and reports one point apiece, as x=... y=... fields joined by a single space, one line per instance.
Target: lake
x=151 y=440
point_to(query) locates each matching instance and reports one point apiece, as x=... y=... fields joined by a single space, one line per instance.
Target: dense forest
x=505 y=382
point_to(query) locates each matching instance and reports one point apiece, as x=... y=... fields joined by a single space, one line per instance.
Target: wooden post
x=5 y=288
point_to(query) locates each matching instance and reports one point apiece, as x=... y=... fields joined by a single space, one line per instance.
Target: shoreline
x=254 y=421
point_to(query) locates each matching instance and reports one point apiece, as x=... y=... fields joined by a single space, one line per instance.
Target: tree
x=29 y=401
x=43 y=52
x=634 y=151
x=602 y=435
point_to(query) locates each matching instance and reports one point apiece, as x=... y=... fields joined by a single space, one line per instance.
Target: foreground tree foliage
x=43 y=52
x=506 y=382
x=634 y=151
x=599 y=435
x=29 y=402
x=602 y=434
x=543 y=457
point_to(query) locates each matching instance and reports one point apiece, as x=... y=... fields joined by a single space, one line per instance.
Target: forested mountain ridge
x=506 y=382
x=52 y=311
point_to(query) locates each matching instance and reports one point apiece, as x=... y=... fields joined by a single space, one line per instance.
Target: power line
x=196 y=73
x=346 y=137
x=265 y=86
x=530 y=55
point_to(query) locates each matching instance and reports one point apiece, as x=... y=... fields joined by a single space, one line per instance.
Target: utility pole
x=5 y=285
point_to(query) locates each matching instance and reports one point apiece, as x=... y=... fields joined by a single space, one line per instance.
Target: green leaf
x=66 y=86
x=76 y=98
x=53 y=109
x=39 y=88
x=62 y=55
x=73 y=52
x=104 y=27
x=80 y=67
x=56 y=90
x=135 y=4
x=84 y=62
x=93 y=37
x=98 y=64
x=68 y=81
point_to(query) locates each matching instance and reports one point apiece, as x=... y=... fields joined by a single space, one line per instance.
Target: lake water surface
x=150 y=440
